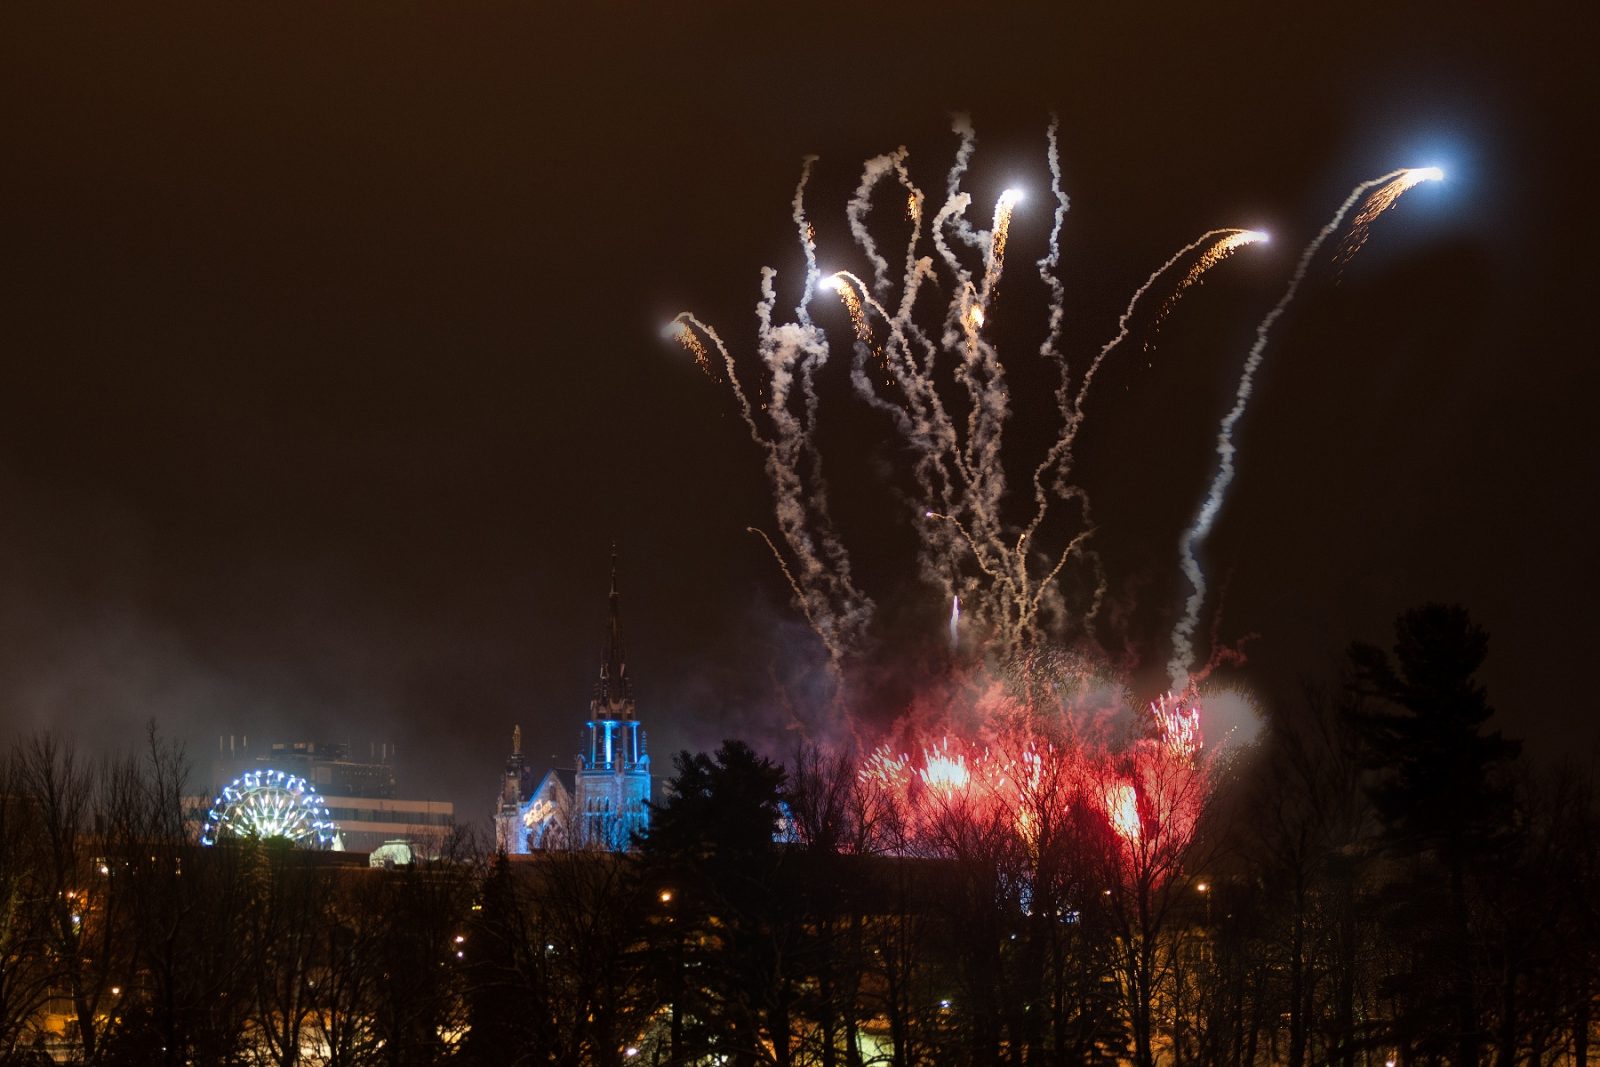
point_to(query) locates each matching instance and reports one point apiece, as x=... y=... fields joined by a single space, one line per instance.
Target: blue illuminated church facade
x=602 y=802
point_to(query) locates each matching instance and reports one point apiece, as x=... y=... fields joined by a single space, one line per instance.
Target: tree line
x=1378 y=879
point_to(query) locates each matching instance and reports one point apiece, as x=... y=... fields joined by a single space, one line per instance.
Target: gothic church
x=601 y=802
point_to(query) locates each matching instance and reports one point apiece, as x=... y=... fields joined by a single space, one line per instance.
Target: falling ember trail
x=1210 y=258
x=1388 y=188
x=1219 y=244
x=1380 y=201
x=996 y=259
x=679 y=331
x=852 y=304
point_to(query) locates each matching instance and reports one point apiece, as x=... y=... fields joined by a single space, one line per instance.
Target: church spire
x=613 y=694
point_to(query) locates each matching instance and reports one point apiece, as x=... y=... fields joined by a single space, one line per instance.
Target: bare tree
x=419 y=1011
x=85 y=928
x=345 y=993
x=1300 y=823
x=283 y=944
x=24 y=974
x=1155 y=799
x=183 y=996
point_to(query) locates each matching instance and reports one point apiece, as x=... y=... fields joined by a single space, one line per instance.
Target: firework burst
x=1033 y=758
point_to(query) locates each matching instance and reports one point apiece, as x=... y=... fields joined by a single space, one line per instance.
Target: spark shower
x=922 y=356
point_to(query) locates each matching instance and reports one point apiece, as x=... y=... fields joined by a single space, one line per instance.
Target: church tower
x=613 y=779
x=602 y=803
x=515 y=787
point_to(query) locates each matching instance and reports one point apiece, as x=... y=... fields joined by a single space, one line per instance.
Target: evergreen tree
x=497 y=998
x=727 y=920
x=1444 y=805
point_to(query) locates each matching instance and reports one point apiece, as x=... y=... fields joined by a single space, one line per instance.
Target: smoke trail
x=1058 y=460
x=792 y=354
x=977 y=368
x=952 y=216
x=851 y=610
x=837 y=611
x=808 y=242
x=1050 y=348
x=873 y=172
x=921 y=419
x=946 y=394
x=961 y=126
x=1389 y=187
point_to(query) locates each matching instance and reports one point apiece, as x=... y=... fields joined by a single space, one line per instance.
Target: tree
x=24 y=976
x=85 y=931
x=551 y=961
x=1297 y=823
x=349 y=977
x=1444 y=805
x=1142 y=840
x=419 y=1007
x=722 y=945
x=283 y=944
x=503 y=1016
x=185 y=993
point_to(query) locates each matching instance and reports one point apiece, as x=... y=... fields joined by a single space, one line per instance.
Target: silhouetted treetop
x=1441 y=785
x=728 y=804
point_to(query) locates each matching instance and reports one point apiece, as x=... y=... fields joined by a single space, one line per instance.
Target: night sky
x=332 y=367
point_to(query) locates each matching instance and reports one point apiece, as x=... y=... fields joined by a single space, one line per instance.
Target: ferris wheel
x=266 y=804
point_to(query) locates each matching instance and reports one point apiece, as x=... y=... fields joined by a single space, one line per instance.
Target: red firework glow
x=1032 y=785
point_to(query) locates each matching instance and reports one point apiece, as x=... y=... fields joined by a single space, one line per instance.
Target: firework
x=953 y=796
x=1217 y=245
x=1177 y=725
x=945 y=772
x=1004 y=573
x=1388 y=189
x=1028 y=756
x=1378 y=201
x=1122 y=809
x=679 y=331
x=840 y=283
x=1219 y=251
x=994 y=262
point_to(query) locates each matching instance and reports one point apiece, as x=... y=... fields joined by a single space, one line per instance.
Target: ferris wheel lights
x=270 y=804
